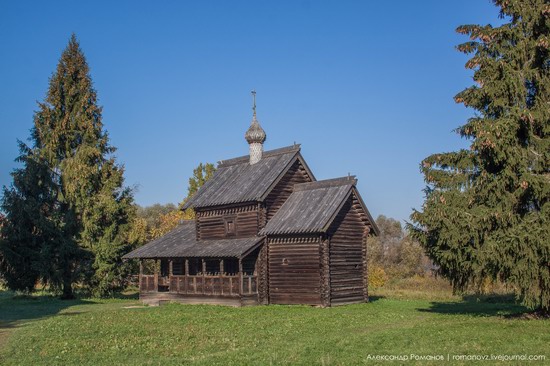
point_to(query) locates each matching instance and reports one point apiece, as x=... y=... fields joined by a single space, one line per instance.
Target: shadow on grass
x=478 y=305
x=133 y=295
x=376 y=298
x=16 y=309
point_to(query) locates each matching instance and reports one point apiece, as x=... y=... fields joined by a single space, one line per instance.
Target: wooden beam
x=140 y=273
x=240 y=276
x=157 y=269
x=203 y=275
x=186 y=284
x=221 y=275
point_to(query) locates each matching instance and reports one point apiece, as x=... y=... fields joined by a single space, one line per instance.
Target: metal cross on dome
x=253 y=92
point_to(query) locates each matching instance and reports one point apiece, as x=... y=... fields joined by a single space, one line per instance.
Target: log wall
x=347 y=265
x=293 y=273
x=211 y=223
x=296 y=174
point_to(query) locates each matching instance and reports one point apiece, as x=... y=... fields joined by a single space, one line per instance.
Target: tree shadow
x=129 y=295
x=17 y=309
x=478 y=305
x=376 y=298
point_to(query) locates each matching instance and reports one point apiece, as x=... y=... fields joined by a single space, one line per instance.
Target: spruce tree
x=487 y=209
x=93 y=208
x=30 y=224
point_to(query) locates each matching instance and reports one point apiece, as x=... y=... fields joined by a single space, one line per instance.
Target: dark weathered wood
x=365 y=265
x=311 y=248
x=283 y=189
x=324 y=268
x=140 y=273
x=240 y=277
x=294 y=276
x=236 y=181
x=346 y=256
x=157 y=269
x=263 y=285
x=211 y=223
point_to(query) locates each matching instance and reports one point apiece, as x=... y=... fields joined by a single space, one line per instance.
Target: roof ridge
x=334 y=182
x=266 y=154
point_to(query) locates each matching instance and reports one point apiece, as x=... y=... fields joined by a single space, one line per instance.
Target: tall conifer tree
x=487 y=209
x=94 y=208
x=31 y=224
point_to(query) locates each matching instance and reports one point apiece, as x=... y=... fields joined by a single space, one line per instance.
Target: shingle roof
x=311 y=208
x=237 y=181
x=182 y=242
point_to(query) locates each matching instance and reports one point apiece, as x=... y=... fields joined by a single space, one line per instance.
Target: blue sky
x=365 y=86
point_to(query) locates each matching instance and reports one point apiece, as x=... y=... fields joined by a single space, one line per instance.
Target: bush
x=377 y=277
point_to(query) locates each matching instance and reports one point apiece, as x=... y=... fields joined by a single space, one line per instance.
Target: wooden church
x=265 y=232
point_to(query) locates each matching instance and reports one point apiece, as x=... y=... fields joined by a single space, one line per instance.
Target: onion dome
x=255 y=133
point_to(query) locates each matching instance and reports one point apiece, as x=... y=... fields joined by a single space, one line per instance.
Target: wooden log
x=140 y=274
x=240 y=276
x=222 y=269
x=203 y=275
x=157 y=269
x=186 y=283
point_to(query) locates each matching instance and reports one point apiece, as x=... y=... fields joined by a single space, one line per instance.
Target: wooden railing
x=211 y=285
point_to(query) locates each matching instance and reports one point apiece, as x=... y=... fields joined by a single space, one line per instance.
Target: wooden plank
x=140 y=274
x=346 y=256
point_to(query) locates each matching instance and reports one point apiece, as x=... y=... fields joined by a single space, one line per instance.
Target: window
x=230 y=227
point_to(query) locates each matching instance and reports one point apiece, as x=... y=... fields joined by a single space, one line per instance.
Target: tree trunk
x=67 y=289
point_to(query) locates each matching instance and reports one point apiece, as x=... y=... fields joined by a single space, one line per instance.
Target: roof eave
x=369 y=216
x=330 y=220
x=297 y=155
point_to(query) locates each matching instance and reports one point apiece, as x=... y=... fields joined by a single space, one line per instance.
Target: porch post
x=241 y=279
x=203 y=275
x=157 y=269
x=140 y=273
x=170 y=263
x=186 y=284
x=221 y=276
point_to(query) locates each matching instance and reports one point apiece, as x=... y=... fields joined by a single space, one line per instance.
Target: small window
x=285 y=262
x=230 y=227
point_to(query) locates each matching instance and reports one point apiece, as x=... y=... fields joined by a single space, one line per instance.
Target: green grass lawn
x=43 y=330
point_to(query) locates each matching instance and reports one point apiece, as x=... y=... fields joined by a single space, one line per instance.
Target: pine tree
x=487 y=209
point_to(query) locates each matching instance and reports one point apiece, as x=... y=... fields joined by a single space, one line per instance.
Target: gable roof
x=312 y=207
x=182 y=242
x=236 y=181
